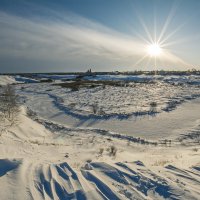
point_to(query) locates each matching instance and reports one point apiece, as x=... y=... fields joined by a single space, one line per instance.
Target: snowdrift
x=5 y=80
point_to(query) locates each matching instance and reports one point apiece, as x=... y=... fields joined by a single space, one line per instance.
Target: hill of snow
x=49 y=161
x=63 y=150
x=4 y=80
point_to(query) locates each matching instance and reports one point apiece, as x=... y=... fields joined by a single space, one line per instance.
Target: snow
x=5 y=80
x=56 y=77
x=120 y=77
x=34 y=165
x=25 y=79
x=126 y=109
x=64 y=151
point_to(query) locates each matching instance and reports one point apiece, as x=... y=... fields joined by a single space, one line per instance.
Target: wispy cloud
x=69 y=37
x=26 y=37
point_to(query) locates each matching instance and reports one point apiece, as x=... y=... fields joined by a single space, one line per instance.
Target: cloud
x=33 y=38
x=67 y=38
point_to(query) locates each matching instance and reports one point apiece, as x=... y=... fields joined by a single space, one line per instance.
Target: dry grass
x=76 y=85
x=161 y=162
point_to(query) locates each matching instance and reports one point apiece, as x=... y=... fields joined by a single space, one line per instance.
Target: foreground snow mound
x=104 y=181
x=5 y=80
x=57 y=163
x=7 y=165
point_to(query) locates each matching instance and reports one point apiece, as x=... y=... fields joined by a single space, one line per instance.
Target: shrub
x=195 y=149
x=74 y=88
x=101 y=150
x=153 y=106
x=113 y=150
x=9 y=106
x=92 y=139
x=30 y=112
x=94 y=108
x=101 y=112
x=89 y=160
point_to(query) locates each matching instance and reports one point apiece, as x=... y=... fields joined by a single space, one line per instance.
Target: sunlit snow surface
x=125 y=109
x=63 y=149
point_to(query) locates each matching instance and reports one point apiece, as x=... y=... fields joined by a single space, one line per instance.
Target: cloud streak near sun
x=30 y=36
x=69 y=37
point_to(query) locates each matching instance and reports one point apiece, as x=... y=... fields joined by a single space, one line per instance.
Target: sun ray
x=148 y=62
x=144 y=26
x=139 y=36
x=157 y=44
x=168 y=20
x=155 y=24
x=173 y=33
x=140 y=60
x=146 y=29
x=182 y=40
x=175 y=58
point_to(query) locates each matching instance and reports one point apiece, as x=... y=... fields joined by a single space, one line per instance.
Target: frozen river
x=163 y=125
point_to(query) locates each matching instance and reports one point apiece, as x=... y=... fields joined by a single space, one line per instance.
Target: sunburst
x=154 y=50
x=156 y=44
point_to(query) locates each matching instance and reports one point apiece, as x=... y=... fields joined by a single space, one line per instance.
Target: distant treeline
x=161 y=72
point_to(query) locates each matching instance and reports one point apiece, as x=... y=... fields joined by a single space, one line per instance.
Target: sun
x=154 y=50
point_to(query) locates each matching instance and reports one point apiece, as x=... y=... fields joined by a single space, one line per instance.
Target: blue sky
x=105 y=35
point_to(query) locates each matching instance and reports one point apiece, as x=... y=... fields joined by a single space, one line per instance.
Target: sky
x=104 y=35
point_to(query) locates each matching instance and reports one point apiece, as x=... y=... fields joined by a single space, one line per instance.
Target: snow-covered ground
x=123 y=151
x=4 y=80
x=124 y=110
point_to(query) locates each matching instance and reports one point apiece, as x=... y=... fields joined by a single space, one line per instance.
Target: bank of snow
x=5 y=80
x=62 y=163
x=120 y=106
x=22 y=79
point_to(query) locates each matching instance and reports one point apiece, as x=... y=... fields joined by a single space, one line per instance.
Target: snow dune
x=121 y=106
x=47 y=162
x=5 y=80
x=63 y=151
